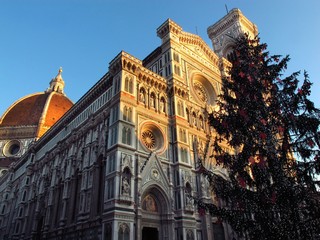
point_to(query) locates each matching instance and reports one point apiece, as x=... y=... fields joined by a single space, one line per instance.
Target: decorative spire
x=57 y=83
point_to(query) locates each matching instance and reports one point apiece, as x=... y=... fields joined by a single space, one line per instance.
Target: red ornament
x=300 y=91
x=273 y=198
x=242 y=182
x=242 y=74
x=251 y=160
x=263 y=136
x=261 y=161
x=224 y=124
x=263 y=121
x=280 y=129
x=311 y=143
x=201 y=211
x=243 y=113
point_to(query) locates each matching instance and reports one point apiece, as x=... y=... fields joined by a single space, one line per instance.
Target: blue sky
x=83 y=36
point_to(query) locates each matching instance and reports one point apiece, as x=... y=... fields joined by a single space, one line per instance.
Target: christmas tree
x=267 y=138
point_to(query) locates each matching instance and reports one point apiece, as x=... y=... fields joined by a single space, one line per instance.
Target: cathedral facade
x=122 y=162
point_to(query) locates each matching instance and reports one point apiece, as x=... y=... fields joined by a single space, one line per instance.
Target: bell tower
x=231 y=26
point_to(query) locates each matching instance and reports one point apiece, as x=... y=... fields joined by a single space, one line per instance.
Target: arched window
x=3 y=209
x=129 y=114
x=128 y=85
x=126 y=135
x=125 y=113
x=184 y=155
x=188 y=115
x=24 y=196
x=131 y=86
x=124 y=232
x=180 y=109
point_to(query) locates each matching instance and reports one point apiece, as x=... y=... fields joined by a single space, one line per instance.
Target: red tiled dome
x=40 y=110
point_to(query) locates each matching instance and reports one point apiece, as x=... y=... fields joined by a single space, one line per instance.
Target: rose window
x=152 y=137
x=149 y=139
x=201 y=92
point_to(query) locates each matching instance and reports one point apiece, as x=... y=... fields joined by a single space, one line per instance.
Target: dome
x=38 y=111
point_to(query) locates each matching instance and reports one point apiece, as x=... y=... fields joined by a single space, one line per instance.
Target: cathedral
x=120 y=163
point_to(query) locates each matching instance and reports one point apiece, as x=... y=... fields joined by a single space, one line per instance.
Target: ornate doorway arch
x=156 y=221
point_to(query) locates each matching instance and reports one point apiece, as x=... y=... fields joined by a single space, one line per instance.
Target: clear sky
x=83 y=36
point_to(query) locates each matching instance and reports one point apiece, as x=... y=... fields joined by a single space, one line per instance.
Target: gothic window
x=168 y=70
x=17 y=228
x=20 y=212
x=188 y=115
x=178 y=199
x=110 y=185
x=126 y=135
x=124 y=232
x=99 y=182
x=113 y=135
x=167 y=57
x=176 y=57
x=126 y=182
x=111 y=162
x=184 y=155
x=27 y=180
x=116 y=85
x=24 y=196
x=177 y=70
x=3 y=209
x=127 y=114
x=180 y=108
x=183 y=135
x=115 y=113
x=128 y=86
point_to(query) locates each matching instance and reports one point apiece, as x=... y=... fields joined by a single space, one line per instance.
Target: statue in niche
x=162 y=108
x=141 y=96
x=125 y=186
x=152 y=99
